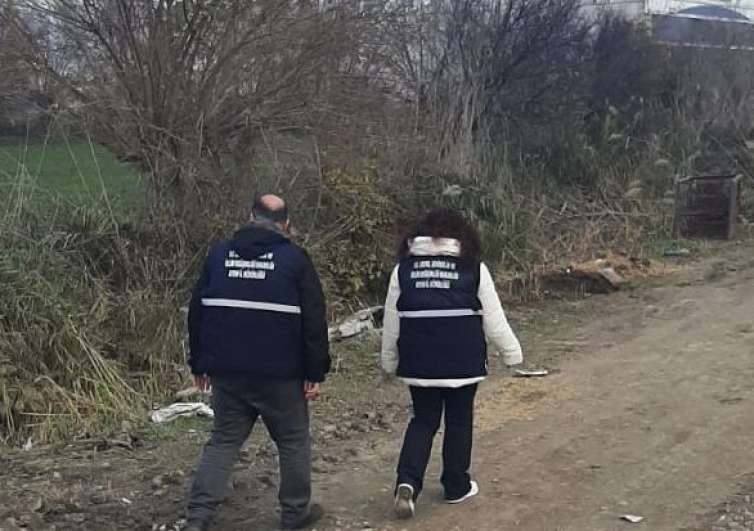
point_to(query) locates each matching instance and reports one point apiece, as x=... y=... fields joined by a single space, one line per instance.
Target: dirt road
x=654 y=417
x=651 y=413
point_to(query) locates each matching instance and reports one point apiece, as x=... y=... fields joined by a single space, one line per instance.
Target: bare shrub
x=171 y=85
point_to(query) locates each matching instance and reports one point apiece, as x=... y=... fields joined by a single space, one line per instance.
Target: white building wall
x=638 y=8
x=745 y=7
x=631 y=9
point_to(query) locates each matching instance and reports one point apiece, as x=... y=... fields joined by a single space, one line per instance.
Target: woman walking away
x=441 y=310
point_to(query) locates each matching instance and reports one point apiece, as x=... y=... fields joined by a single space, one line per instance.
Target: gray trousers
x=238 y=402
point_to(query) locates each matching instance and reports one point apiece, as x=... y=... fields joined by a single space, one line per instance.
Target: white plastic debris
x=609 y=274
x=521 y=373
x=126 y=501
x=28 y=445
x=357 y=323
x=452 y=190
x=634 y=519
x=181 y=409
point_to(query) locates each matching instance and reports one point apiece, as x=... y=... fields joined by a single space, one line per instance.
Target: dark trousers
x=429 y=403
x=238 y=402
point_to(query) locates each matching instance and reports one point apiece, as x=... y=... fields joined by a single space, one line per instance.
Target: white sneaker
x=404 y=501
x=473 y=491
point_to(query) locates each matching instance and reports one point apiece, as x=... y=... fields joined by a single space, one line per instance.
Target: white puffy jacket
x=496 y=328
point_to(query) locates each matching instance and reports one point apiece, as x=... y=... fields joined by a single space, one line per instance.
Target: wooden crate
x=707 y=207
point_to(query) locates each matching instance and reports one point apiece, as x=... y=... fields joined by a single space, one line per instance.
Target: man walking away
x=258 y=334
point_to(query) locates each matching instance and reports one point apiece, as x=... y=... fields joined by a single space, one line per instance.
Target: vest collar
x=428 y=246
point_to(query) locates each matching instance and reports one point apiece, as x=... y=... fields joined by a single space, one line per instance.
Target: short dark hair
x=261 y=211
x=445 y=223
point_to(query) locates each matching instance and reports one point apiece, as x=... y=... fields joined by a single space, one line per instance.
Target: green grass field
x=71 y=170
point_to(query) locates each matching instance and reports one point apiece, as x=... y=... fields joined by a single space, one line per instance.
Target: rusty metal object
x=707 y=207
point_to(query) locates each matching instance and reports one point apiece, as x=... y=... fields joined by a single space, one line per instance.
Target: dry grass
x=92 y=333
x=90 y=328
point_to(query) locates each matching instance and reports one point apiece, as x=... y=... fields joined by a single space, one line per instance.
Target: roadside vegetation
x=127 y=150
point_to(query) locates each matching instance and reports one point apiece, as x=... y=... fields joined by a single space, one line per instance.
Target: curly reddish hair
x=445 y=223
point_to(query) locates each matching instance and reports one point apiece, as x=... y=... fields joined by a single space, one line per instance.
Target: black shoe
x=316 y=512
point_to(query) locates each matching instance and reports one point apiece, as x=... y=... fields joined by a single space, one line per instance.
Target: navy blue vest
x=251 y=317
x=441 y=331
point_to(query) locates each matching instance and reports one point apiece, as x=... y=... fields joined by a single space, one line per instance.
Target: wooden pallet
x=707 y=207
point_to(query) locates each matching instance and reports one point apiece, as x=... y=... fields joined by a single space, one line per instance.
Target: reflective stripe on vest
x=419 y=314
x=252 y=305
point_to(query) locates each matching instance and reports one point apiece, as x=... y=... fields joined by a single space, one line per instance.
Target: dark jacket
x=441 y=329
x=258 y=310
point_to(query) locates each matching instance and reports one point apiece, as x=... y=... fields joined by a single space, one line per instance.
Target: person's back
x=259 y=270
x=441 y=329
x=441 y=310
x=258 y=333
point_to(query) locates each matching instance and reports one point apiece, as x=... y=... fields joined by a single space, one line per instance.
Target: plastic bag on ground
x=181 y=409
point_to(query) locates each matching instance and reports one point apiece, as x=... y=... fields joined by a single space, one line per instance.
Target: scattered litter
x=452 y=190
x=126 y=501
x=609 y=274
x=116 y=443
x=521 y=373
x=177 y=526
x=604 y=275
x=28 y=445
x=673 y=252
x=632 y=518
x=37 y=505
x=181 y=409
x=359 y=322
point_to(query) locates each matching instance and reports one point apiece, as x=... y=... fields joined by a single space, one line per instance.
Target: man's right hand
x=311 y=390
x=202 y=382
